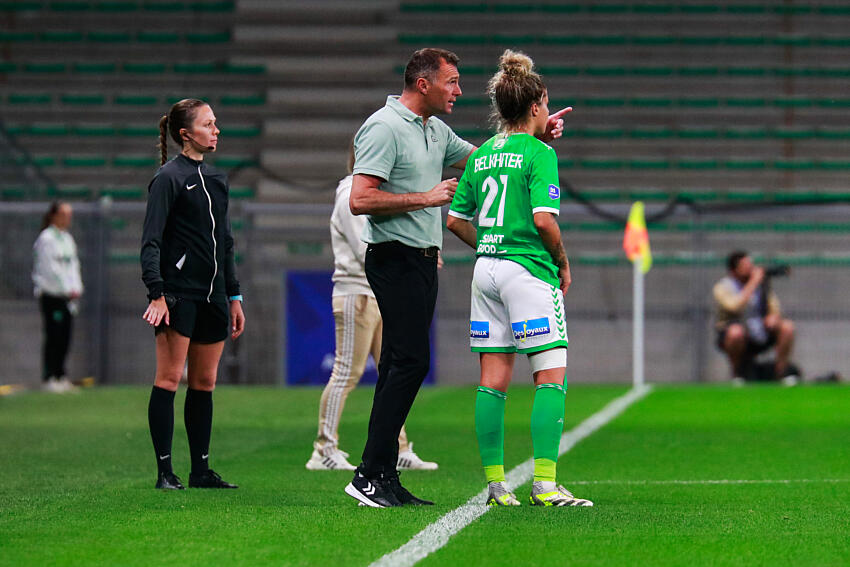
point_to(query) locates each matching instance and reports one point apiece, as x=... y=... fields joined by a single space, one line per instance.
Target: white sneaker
x=542 y=495
x=53 y=386
x=410 y=461
x=790 y=380
x=335 y=461
x=67 y=385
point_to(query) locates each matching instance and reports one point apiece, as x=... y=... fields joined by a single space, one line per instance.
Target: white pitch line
x=437 y=534
x=715 y=481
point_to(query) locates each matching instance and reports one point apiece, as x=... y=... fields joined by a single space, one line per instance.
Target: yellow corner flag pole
x=636 y=246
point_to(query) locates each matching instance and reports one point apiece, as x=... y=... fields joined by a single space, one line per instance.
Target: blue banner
x=310 y=331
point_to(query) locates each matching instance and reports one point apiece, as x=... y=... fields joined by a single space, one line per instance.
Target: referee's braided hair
x=513 y=89
x=180 y=115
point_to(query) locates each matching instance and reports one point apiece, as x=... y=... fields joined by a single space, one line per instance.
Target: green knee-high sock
x=547 y=423
x=490 y=429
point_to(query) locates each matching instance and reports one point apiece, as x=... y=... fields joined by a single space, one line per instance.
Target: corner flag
x=636 y=239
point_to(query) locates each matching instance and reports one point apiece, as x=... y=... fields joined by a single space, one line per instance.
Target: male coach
x=400 y=152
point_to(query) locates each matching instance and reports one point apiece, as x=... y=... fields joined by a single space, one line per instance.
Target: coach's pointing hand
x=442 y=193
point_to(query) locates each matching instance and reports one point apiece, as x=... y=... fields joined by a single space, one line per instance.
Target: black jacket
x=187 y=248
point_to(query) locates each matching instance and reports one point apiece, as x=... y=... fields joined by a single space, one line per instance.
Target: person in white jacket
x=358 y=334
x=58 y=287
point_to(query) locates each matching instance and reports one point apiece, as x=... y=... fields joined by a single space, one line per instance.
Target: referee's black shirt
x=187 y=248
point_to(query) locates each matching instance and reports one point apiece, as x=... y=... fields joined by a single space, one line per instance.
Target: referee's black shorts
x=202 y=321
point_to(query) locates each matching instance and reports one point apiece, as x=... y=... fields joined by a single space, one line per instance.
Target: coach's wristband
x=235 y=298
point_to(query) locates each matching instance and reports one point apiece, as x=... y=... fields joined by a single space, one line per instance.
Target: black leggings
x=57 y=334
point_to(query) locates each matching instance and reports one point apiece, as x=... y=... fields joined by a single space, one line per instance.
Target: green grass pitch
x=77 y=475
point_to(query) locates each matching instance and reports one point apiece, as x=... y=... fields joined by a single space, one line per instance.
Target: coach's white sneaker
x=335 y=461
x=410 y=461
x=547 y=494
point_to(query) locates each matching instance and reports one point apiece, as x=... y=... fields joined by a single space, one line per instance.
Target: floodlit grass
x=78 y=472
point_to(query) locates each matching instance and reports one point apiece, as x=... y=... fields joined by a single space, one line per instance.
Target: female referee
x=189 y=270
x=520 y=277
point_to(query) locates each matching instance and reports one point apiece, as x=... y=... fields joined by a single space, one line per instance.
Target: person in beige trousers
x=358 y=334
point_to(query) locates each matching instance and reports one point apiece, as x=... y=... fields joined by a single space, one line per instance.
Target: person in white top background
x=358 y=328
x=58 y=287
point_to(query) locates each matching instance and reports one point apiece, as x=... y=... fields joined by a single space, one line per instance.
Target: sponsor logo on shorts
x=479 y=329
x=530 y=328
x=554 y=191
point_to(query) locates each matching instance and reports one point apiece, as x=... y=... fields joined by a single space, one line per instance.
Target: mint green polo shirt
x=394 y=145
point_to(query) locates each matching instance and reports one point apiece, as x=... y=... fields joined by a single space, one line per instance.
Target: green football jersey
x=506 y=181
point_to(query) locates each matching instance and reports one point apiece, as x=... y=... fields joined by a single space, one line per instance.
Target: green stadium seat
x=83 y=99
x=700 y=102
x=20 y=6
x=601 y=163
x=116 y=6
x=747 y=102
x=84 y=161
x=43 y=67
x=241 y=193
x=604 y=101
x=745 y=132
x=648 y=195
x=651 y=101
x=741 y=164
x=649 y=163
x=16 y=36
x=109 y=36
x=95 y=67
x=62 y=36
x=745 y=41
x=13 y=193
x=149 y=36
x=698 y=71
x=654 y=40
x=793 y=133
x=792 y=40
x=124 y=193
x=73 y=192
x=746 y=196
x=142 y=67
x=833 y=164
x=746 y=71
x=145 y=161
x=834 y=102
x=87 y=130
x=198 y=68
x=140 y=130
x=29 y=98
x=698 y=132
x=43 y=160
x=590 y=132
x=605 y=70
x=833 y=134
x=8 y=67
x=213 y=6
x=164 y=6
x=653 y=71
x=69 y=6
x=16 y=129
x=602 y=195
x=44 y=129
x=244 y=131
x=243 y=100
x=651 y=132
x=794 y=164
x=135 y=100
x=207 y=37
x=697 y=163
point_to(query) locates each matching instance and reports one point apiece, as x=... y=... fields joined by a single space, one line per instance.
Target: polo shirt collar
x=403 y=111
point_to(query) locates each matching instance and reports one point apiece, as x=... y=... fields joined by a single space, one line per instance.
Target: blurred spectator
x=749 y=320
x=58 y=287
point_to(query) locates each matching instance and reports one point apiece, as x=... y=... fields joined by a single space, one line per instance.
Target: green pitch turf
x=77 y=475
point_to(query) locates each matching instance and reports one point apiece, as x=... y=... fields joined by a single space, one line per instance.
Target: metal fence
x=114 y=345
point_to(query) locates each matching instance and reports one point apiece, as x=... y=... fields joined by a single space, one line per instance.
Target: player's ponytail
x=513 y=89
x=163 y=139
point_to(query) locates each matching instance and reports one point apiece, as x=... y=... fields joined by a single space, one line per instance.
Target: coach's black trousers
x=404 y=281
x=57 y=334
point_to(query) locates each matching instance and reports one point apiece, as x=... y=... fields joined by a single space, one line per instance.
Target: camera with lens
x=779 y=271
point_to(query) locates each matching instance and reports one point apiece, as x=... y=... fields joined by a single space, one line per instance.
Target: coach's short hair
x=425 y=63
x=734 y=259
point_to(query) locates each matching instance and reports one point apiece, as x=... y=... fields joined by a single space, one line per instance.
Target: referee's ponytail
x=163 y=139
x=180 y=116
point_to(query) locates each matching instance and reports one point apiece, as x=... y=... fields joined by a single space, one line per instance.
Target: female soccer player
x=189 y=270
x=58 y=287
x=520 y=277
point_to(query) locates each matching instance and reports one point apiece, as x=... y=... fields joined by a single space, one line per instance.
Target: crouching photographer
x=749 y=320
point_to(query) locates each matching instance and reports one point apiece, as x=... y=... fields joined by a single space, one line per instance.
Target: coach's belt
x=430 y=252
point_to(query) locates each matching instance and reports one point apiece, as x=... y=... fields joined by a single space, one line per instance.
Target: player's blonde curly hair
x=513 y=89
